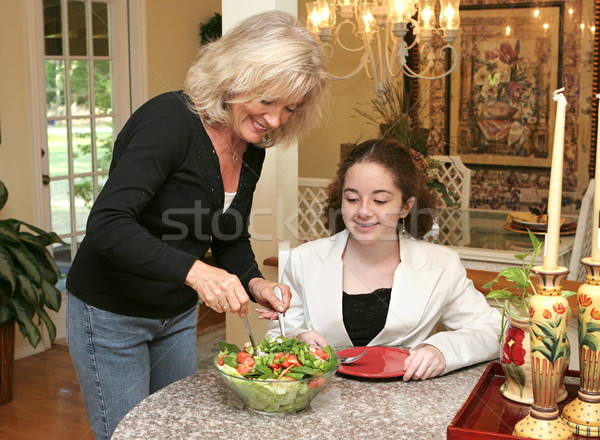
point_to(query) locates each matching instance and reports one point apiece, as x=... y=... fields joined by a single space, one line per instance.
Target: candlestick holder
x=550 y=351
x=583 y=413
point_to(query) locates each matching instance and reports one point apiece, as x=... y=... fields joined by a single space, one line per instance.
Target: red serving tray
x=487 y=414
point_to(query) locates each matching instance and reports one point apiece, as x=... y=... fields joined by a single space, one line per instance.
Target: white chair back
x=312 y=195
x=282 y=257
x=457 y=178
x=582 y=247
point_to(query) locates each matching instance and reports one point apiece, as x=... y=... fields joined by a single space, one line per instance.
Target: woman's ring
x=226 y=306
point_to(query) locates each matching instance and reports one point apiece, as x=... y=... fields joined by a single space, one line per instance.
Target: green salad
x=284 y=374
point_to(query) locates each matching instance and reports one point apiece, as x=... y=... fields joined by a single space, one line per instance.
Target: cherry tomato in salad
x=221 y=362
x=316 y=383
x=242 y=357
x=245 y=362
x=275 y=365
x=319 y=353
x=290 y=361
x=244 y=369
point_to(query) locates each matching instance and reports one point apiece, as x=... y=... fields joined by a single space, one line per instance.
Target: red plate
x=379 y=362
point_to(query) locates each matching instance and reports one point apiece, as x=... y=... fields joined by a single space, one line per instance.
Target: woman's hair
x=268 y=56
x=395 y=157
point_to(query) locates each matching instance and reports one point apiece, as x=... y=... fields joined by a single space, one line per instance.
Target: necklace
x=234 y=155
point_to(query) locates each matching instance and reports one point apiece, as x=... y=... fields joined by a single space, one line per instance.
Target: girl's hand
x=424 y=362
x=218 y=289
x=313 y=337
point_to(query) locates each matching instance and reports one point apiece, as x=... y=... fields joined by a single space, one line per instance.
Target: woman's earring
x=403 y=233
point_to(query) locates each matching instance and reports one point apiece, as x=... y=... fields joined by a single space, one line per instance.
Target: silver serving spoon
x=249 y=331
x=278 y=294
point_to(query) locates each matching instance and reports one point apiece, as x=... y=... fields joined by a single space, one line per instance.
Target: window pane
x=60 y=206
x=62 y=255
x=58 y=148
x=77 y=28
x=100 y=29
x=53 y=44
x=80 y=87
x=102 y=178
x=82 y=145
x=103 y=86
x=55 y=88
x=104 y=142
x=84 y=197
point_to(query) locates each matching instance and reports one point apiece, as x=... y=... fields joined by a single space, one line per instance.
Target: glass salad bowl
x=279 y=394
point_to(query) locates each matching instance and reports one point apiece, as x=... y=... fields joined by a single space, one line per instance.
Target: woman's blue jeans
x=120 y=360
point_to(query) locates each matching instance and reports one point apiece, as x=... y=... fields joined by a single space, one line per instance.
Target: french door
x=87 y=49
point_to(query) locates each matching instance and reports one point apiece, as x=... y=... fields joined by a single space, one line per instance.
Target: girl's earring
x=403 y=233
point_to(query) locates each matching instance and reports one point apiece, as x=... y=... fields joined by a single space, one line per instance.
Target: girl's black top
x=365 y=314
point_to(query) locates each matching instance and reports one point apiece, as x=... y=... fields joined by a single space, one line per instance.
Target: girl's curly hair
x=396 y=158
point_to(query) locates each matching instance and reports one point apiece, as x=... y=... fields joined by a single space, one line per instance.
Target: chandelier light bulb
x=312 y=17
x=368 y=22
x=449 y=18
x=427 y=16
x=376 y=29
x=347 y=8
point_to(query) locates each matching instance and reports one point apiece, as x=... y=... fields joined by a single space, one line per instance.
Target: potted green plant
x=393 y=115
x=28 y=274
x=514 y=336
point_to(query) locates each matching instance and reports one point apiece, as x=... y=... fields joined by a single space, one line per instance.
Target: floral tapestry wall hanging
x=502 y=93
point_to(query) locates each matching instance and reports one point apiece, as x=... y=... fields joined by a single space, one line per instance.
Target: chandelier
x=379 y=28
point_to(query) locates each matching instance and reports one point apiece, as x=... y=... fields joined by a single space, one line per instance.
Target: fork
x=350 y=359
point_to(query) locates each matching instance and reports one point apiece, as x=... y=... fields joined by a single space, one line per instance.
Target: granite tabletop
x=203 y=407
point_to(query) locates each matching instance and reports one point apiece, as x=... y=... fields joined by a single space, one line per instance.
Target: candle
x=555 y=191
x=595 y=244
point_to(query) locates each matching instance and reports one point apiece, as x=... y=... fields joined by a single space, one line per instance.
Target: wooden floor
x=47 y=402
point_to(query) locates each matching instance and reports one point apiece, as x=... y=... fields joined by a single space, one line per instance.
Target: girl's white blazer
x=430 y=287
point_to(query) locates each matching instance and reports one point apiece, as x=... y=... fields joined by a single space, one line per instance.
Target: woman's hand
x=424 y=362
x=262 y=291
x=313 y=337
x=218 y=289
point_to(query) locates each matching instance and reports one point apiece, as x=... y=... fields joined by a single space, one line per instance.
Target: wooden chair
x=457 y=178
x=312 y=195
x=582 y=247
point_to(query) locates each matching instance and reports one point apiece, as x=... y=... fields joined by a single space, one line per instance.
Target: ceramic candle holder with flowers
x=515 y=337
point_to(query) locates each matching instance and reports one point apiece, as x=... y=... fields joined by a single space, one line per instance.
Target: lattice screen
x=457 y=178
x=312 y=196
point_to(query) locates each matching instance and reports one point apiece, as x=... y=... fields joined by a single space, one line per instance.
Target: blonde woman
x=181 y=182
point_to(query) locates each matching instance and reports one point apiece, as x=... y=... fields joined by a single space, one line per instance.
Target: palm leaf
x=28 y=263
x=47 y=264
x=3 y=195
x=24 y=318
x=7 y=232
x=51 y=296
x=27 y=290
x=7 y=269
x=49 y=324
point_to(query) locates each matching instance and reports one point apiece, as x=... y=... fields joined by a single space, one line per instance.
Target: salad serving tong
x=278 y=294
x=343 y=359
